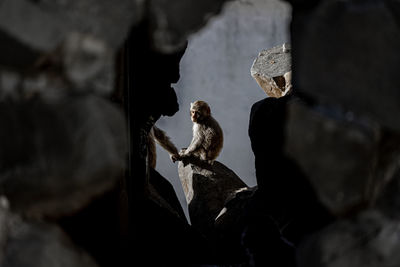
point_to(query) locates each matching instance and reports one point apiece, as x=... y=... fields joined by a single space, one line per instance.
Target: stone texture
x=337 y=154
x=36 y=244
x=272 y=70
x=207 y=188
x=56 y=156
x=369 y=240
x=346 y=53
x=47 y=23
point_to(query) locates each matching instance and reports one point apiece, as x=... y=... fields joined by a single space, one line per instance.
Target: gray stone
x=56 y=156
x=272 y=70
x=369 y=240
x=36 y=244
x=336 y=151
x=347 y=53
x=207 y=188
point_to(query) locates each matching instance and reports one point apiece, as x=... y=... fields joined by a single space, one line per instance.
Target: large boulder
x=207 y=188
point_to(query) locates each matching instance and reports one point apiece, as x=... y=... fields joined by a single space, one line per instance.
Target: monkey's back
x=214 y=139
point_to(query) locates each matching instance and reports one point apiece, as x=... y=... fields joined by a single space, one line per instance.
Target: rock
x=389 y=200
x=55 y=157
x=369 y=240
x=284 y=191
x=36 y=244
x=162 y=192
x=347 y=159
x=173 y=21
x=88 y=64
x=234 y=206
x=47 y=23
x=335 y=154
x=272 y=70
x=339 y=62
x=207 y=188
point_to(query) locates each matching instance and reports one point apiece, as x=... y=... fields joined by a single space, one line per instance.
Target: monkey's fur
x=208 y=137
x=158 y=135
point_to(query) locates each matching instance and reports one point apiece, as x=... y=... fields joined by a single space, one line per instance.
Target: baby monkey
x=207 y=139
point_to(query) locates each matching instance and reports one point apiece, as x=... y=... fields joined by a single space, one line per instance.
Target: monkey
x=159 y=136
x=207 y=138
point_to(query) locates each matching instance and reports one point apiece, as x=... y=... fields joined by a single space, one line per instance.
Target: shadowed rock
x=348 y=66
x=36 y=244
x=347 y=159
x=207 y=188
x=272 y=70
x=55 y=157
x=369 y=240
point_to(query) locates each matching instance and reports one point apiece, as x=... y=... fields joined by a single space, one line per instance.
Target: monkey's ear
x=208 y=111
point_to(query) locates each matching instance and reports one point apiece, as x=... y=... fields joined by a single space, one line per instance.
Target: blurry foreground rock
x=57 y=156
x=369 y=240
x=36 y=244
x=349 y=159
x=272 y=70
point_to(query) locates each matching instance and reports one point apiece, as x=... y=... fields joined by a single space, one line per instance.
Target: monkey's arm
x=194 y=146
x=163 y=140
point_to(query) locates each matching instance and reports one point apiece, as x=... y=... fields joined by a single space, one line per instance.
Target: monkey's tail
x=163 y=140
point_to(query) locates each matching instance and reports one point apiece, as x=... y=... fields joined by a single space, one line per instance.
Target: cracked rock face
x=272 y=71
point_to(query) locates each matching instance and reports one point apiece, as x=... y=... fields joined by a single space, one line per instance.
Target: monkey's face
x=195 y=115
x=199 y=111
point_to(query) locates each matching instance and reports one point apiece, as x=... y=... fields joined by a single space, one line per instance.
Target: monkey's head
x=199 y=111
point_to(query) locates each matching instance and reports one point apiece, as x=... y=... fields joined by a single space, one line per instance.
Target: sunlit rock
x=272 y=70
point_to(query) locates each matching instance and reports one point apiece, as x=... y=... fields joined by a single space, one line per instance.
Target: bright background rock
x=271 y=68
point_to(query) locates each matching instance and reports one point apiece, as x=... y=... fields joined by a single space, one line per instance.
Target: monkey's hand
x=182 y=152
x=175 y=157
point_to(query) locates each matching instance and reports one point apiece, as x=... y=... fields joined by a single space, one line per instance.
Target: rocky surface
x=348 y=66
x=56 y=157
x=207 y=188
x=272 y=70
x=345 y=133
x=340 y=176
x=36 y=244
x=370 y=239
